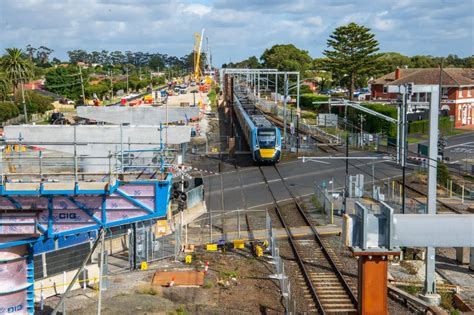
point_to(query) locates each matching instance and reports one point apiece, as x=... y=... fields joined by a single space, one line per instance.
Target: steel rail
x=319 y=241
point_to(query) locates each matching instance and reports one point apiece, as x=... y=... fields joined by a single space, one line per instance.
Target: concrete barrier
x=137 y=115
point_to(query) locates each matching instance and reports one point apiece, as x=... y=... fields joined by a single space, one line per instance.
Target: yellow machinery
x=197 y=56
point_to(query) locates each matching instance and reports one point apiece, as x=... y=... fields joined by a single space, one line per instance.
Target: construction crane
x=197 y=55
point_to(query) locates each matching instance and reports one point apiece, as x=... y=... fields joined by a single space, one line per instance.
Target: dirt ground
x=237 y=283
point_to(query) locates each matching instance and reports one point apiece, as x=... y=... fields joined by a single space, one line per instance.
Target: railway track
x=322 y=143
x=327 y=291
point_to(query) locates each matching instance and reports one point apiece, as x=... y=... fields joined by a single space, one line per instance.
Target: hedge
x=8 y=110
x=306 y=100
x=374 y=124
x=423 y=126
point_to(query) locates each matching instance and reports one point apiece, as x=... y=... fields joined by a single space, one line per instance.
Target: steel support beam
x=434 y=230
x=430 y=281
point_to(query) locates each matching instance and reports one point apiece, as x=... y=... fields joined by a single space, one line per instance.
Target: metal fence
x=145 y=246
x=288 y=302
x=224 y=226
x=391 y=192
x=331 y=202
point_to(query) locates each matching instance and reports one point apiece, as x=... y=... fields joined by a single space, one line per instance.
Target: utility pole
x=82 y=87
x=23 y=101
x=111 y=85
x=126 y=69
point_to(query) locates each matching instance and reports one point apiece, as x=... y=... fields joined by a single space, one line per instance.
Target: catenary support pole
x=285 y=95
x=429 y=293
x=404 y=131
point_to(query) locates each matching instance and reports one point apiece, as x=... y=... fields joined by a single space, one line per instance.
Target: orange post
x=373 y=291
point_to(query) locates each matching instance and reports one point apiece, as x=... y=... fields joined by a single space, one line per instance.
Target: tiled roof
x=387 y=78
x=450 y=77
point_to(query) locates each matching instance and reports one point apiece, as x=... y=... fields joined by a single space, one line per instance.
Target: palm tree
x=4 y=87
x=17 y=68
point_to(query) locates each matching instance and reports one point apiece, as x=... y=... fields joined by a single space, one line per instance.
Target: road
x=245 y=188
x=460 y=147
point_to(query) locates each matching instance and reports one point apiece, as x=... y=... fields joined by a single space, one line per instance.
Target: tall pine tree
x=352 y=53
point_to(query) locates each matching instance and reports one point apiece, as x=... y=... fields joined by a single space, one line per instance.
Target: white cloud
x=316 y=21
x=236 y=29
x=382 y=24
x=197 y=9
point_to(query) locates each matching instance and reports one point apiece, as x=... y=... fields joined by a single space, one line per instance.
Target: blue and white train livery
x=263 y=137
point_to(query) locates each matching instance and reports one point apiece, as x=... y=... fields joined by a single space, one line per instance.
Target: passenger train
x=263 y=137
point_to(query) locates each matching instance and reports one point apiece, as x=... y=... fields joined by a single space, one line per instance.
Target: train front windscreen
x=266 y=138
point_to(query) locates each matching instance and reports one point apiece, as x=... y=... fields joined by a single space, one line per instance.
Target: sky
x=236 y=29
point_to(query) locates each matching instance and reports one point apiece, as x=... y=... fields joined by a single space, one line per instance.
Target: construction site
x=218 y=192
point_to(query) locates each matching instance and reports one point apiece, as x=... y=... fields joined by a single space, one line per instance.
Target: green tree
x=66 y=81
x=422 y=61
x=17 y=69
x=389 y=61
x=352 y=53
x=286 y=58
x=4 y=87
x=35 y=102
x=8 y=110
x=249 y=63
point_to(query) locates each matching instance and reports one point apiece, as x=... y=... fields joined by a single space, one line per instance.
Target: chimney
x=397 y=73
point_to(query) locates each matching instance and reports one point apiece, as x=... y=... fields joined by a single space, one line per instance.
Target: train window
x=266 y=138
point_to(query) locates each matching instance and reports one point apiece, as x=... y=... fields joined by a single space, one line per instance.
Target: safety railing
x=330 y=202
x=220 y=226
x=37 y=166
x=280 y=274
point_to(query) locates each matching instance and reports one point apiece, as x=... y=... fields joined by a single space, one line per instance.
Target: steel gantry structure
x=258 y=80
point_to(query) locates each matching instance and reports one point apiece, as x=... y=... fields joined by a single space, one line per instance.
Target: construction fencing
x=330 y=202
x=225 y=226
x=145 y=246
x=283 y=281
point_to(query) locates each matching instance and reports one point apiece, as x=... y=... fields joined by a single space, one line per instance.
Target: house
x=34 y=85
x=457 y=95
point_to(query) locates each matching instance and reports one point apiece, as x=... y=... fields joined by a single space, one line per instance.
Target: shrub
x=443 y=173
x=423 y=126
x=305 y=89
x=373 y=124
x=8 y=110
x=306 y=100
x=35 y=102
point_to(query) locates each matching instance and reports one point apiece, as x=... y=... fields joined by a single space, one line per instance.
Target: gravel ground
x=237 y=283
